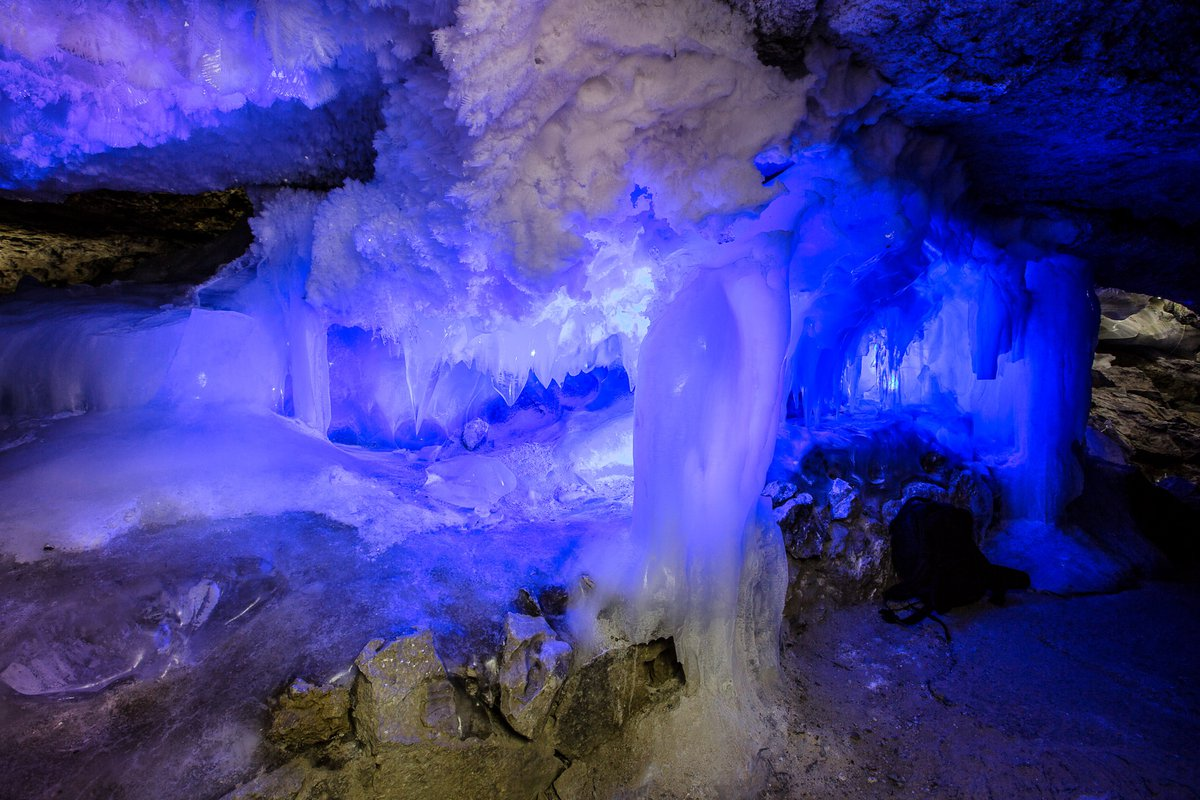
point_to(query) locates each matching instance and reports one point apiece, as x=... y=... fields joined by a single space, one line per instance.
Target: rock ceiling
x=1073 y=109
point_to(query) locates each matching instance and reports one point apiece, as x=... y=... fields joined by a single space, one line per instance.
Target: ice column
x=705 y=417
x=1060 y=339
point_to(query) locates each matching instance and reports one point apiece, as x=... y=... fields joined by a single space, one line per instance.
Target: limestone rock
x=402 y=694
x=1147 y=402
x=1137 y=320
x=526 y=603
x=779 y=492
x=500 y=768
x=805 y=528
x=104 y=235
x=603 y=695
x=969 y=490
x=533 y=666
x=553 y=601
x=307 y=715
x=285 y=783
x=843 y=499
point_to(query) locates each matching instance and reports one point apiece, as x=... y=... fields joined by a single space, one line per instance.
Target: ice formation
x=559 y=188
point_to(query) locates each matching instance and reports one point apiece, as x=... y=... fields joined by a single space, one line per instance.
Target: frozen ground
x=162 y=576
x=162 y=579
x=1085 y=697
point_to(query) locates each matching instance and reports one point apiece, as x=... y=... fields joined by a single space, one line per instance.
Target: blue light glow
x=549 y=223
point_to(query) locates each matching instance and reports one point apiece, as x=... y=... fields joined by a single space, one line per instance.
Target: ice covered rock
x=1060 y=560
x=474 y=433
x=843 y=499
x=87 y=663
x=401 y=694
x=198 y=604
x=470 y=481
x=533 y=665
x=603 y=454
x=780 y=492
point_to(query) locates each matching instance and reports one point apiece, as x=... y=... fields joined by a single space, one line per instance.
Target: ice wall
x=94 y=90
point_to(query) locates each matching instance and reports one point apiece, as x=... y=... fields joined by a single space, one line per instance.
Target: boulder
x=602 y=696
x=779 y=492
x=474 y=433
x=805 y=527
x=843 y=499
x=533 y=666
x=402 y=694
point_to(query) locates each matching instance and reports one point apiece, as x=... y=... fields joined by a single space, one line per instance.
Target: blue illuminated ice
x=562 y=192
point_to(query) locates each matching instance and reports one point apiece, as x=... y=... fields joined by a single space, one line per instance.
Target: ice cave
x=543 y=400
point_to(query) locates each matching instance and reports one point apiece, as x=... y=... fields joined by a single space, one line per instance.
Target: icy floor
x=162 y=576
x=299 y=596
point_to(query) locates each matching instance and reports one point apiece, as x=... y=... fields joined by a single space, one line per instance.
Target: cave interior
x=583 y=349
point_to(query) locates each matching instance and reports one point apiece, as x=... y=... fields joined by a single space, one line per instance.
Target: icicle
x=422 y=366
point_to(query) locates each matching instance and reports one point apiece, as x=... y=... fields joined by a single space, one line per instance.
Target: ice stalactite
x=1063 y=321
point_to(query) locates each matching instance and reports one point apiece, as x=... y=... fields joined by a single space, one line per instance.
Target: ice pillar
x=1060 y=340
x=706 y=413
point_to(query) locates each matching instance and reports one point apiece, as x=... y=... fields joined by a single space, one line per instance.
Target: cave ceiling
x=1078 y=110
x=1088 y=110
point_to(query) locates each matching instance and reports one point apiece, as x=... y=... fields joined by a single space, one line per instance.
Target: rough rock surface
x=403 y=744
x=308 y=715
x=474 y=433
x=402 y=694
x=102 y=236
x=837 y=539
x=1089 y=111
x=1146 y=387
x=603 y=695
x=533 y=665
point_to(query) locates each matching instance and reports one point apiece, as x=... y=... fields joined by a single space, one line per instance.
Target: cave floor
x=1048 y=697
x=139 y=681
